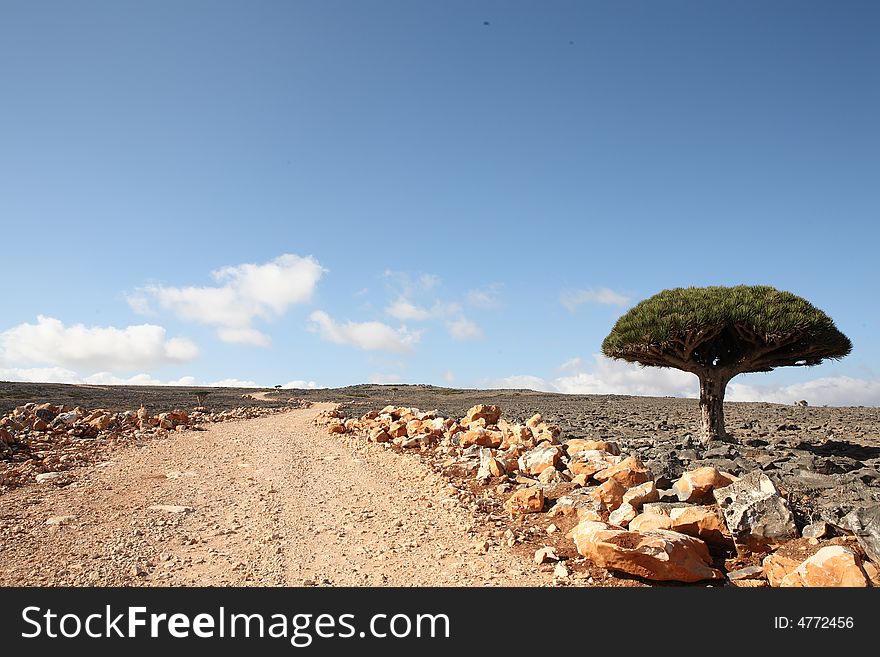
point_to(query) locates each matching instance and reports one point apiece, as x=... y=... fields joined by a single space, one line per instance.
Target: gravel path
x=273 y=501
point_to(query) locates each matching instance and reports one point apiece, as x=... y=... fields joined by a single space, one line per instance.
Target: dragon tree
x=719 y=332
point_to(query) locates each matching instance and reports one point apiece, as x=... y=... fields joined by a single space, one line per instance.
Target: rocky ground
x=265 y=501
x=827 y=459
x=157 y=499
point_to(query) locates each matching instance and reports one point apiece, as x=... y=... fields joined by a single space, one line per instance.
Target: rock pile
x=43 y=442
x=706 y=525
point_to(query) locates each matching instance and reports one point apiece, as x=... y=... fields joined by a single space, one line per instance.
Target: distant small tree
x=719 y=332
x=200 y=396
x=277 y=387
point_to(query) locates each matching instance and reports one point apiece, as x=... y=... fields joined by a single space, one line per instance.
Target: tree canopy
x=738 y=329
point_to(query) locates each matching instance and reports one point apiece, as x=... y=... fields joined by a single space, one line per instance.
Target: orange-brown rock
x=562 y=511
x=696 y=484
x=481 y=437
x=831 y=566
x=525 y=500
x=380 y=435
x=334 y=413
x=622 y=515
x=178 y=416
x=576 y=445
x=489 y=465
x=434 y=426
x=103 y=420
x=534 y=421
x=659 y=555
x=548 y=433
x=536 y=460
x=749 y=584
x=638 y=495
x=397 y=429
x=553 y=476
x=590 y=462
x=629 y=472
x=703 y=522
x=873 y=573
x=587 y=513
x=545 y=554
x=5 y=439
x=514 y=452
x=11 y=424
x=487 y=413
x=777 y=566
x=451 y=429
x=515 y=434
x=609 y=495
x=333 y=427
x=648 y=521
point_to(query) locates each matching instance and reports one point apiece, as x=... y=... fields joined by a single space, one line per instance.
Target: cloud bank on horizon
x=51 y=351
x=611 y=377
x=50 y=341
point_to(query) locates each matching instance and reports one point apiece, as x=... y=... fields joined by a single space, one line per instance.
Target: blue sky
x=331 y=193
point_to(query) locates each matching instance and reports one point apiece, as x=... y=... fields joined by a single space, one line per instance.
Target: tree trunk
x=712 y=387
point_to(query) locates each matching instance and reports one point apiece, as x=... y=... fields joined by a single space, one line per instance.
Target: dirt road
x=273 y=501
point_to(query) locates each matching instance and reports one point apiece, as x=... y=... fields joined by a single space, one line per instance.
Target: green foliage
x=731 y=324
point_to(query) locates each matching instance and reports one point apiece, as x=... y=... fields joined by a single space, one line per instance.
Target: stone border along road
x=273 y=501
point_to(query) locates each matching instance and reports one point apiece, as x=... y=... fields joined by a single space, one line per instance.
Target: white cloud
x=368 y=336
x=110 y=379
x=830 y=391
x=244 y=336
x=406 y=284
x=485 y=297
x=142 y=379
x=608 y=376
x=299 y=384
x=617 y=378
x=39 y=375
x=50 y=342
x=244 y=293
x=381 y=379
x=522 y=381
x=575 y=364
x=571 y=299
x=463 y=329
x=140 y=304
x=234 y=383
x=441 y=309
x=61 y=375
x=428 y=281
x=403 y=309
x=407 y=312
